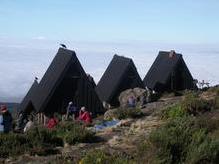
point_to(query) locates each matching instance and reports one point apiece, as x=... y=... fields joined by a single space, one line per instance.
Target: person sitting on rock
x=29 y=124
x=7 y=119
x=131 y=102
x=53 y=121
x=21 y=122
x=72 y=111
x=85 y=116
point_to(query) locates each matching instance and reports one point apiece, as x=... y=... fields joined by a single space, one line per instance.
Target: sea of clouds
x=22 y=60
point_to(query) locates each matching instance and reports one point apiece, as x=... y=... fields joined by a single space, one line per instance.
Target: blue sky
x=31 y=30
x=184 y=21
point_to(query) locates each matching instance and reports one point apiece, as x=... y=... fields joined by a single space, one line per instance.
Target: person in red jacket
x=52 y=122
x=85 y=116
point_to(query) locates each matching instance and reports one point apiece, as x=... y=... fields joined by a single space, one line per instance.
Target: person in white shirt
x=29 y=124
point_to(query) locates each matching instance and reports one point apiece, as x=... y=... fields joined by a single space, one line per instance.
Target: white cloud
x=39 y=38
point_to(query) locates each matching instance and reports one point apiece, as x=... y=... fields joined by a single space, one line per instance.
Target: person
x=1 y=124
x=131 y=102
x=7 y=119
x=71 y=111
x=21 y=121
x=85 y=116
x=29 y=124
x=53 y=121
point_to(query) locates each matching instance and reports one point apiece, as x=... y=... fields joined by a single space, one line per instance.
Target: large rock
x=141 y=96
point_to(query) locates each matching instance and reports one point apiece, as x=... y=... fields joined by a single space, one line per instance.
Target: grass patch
x=101 y=157
x=193 y=104
x=38 y=141
x=173 y=112
x=73 y=133
x=42 y=141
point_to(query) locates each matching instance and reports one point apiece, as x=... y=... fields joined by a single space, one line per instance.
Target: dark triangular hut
x=169 y=73
x=121 y=74
x=65 y=80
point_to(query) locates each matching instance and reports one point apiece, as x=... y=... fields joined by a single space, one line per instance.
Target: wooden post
x=38 y=118
x=45 y=119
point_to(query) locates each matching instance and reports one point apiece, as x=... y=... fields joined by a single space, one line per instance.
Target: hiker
x=7 y=119
x=21 y=122
x=53 y=121
x=85 y=116
x=72 y=111
x=1 y=124
x=131 y=102
x=29 y=124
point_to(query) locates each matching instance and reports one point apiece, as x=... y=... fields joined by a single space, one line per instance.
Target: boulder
x=141 y=96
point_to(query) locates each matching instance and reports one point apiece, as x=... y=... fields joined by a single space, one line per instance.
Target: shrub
x=171 y=140
x=13 y=144
x=146 y=152
x=182 y=140
x=42 y=141
x=205 y=152
x=173 y=112
x=40 y=136
x=214 y=90
x=74 y=132
x=100 y=157
x=128 y=113
x=192 y=104
x=205 y=122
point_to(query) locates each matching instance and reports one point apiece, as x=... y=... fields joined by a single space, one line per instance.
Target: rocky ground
x=122 y=138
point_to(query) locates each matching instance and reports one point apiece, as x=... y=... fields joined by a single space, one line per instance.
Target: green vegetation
x=37 y=141
x=189 y=135
x=193 y=104
x=187 y=140
x=42 y=141
x=173 y=112
x=73 y=133
x=214 y=90
x=101 y=157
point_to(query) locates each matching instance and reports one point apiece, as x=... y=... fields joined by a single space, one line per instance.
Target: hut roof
x=114 y=78
x=65 y=80
x=162 y=68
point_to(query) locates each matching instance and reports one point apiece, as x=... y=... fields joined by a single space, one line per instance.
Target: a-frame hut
x=65 y=80
x=169 y=73
x=27 y=103
x=121 y=74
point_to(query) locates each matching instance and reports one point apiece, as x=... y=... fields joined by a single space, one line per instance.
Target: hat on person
x=70 y=103
x=3 y=108
x=83 y=109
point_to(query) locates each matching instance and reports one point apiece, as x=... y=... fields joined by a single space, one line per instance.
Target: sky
x=30 y=33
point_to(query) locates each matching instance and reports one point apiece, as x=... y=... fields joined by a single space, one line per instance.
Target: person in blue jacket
x=7 y=119
x=1 y=124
